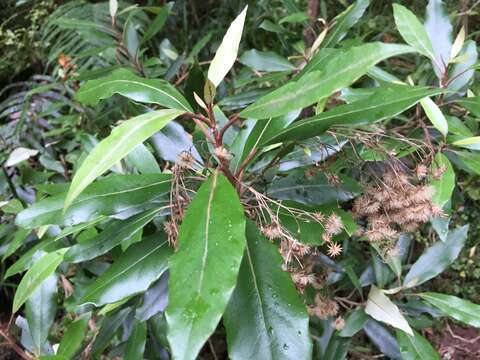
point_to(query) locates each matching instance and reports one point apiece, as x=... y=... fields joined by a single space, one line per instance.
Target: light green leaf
x=265 y=318
x=382 y=309
x=18 y=155
x=472 y=104
x=445 y=184
x=265 y=61
x=415 y=347
x=459 y=309
x=136 y=342
x=113 y=235
x=437 y=258
x=413 y=31
x=104 y=197
x=73 y=337
x=340 y=71
x=354 y=323
x=132 y=273
x=203 y=272
x=384 y=103
x=472 y=143
x=462 y=71
x=344 y=21
x=227 y=51
x=143 y=160
x=126 y=83
x=33 y=278
x=116 y=146
x=435 y=115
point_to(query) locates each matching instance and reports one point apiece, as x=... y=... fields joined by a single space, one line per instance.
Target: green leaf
x=472 y=104
x=472 y=143
x=437 y=258
x=126 y=83
x=413 y=31
x=340 y=71
x=227 y=51
x=314 y=190
x=116 y=146
x=459 y=309
x=344 y=21
x=132 y=273
x=203 y=272
x=110 y=325
x=17 y=241
x=157 y=24
x=354 y=323
x=73 y=337
x=462 y=72
x=382 y=309
x=265 y=318
x=34 y=277
x=113 y=235
x=445 y=184
x=108 y=196
x=265 y=61
x=439 y=30
x=415 y=347
x=40 y=311
x=143 y=160
x=384 y=103
x=136 y=342
x=435 y=115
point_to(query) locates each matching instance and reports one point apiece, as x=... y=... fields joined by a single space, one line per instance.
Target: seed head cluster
x=395 y=205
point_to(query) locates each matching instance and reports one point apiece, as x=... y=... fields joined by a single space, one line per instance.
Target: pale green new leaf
x=382 y=309
x=33 y=278
x=445 y=183
x=203 y=271
x=472 y=143
x=413 y=31
x=340 y=71
x=227 y=52
x=435 y=115
x=116 y=146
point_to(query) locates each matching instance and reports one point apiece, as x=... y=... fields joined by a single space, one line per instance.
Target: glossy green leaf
x=462 y=71
x=472 y=104
x=354 y=323
x=40 y=311
x=227 y=51
x=265 y=61
x=412 y=30
x=459 y=309
x=203 y=272
x=136 y=342
x=116 y=146
x=143 y=160
x=115 y=234
x=344 y=21
x=381 y=308
x=437 y=258
x=126 y=83
x=73 y=337
x=108 y=196
x=265 y=318
x=472 y=143
x=384 y=103
x=340 y=71
x=17 y=241
x=445 y=183
x=40 y=270
x=382 y=339
x=439 y=30
x=109 y=327
x=314 y=190
x=132 y=273
x=415 y=347
x=157 y=24
x=435 y=115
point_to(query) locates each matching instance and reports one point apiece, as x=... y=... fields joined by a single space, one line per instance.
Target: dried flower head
x=271 y=231
x=338 y=323
x=421 y=171
x=185 y=160
x=171 y=229
x=222 y=153
x=334 y=249
x=334 y=224
x=324 y=307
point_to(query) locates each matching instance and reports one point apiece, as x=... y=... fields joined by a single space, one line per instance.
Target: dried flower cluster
x=395 y=205
x=323 y=307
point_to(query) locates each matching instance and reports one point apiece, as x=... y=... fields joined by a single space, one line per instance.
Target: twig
x=11 y=343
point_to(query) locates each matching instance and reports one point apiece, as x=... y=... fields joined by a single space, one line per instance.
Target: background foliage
x=306 y=228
